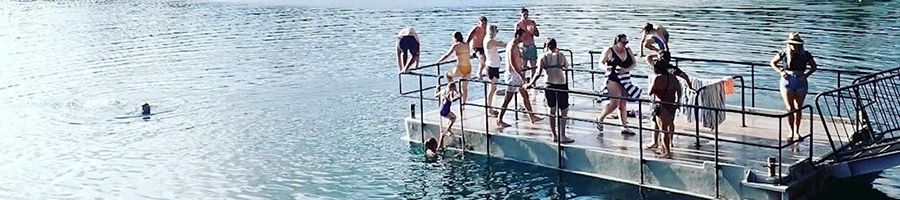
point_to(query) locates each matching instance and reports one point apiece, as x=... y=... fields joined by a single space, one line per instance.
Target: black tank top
x=615 y=61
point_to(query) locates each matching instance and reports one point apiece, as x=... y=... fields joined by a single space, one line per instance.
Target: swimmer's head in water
x=431 y=144
x=145 y=108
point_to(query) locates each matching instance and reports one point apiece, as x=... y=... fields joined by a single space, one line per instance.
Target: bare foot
x=652 y=146
x=493 y=113
x=502 y=124
x=535 y=119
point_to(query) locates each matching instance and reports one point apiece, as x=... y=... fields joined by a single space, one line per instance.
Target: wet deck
x=759 y=130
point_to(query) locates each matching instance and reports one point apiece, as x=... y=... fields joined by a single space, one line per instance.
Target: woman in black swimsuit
x=613 y=59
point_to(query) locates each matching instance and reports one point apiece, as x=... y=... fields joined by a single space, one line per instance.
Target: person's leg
x=464 y=83
x=490 y=97
x=667 y=139
x=623 y=111
x=411 y=61
x=657 y=126
x=506 y=99
x=788 y=97
x=613 y=89
x=799 y=97
x=562 y=122
x=527 y=102
x=553 y=133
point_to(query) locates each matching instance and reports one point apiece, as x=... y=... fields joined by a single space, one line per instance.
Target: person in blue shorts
x=794 y=65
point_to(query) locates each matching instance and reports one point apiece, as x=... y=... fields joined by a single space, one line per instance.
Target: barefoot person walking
x=515 y=78
x=492 y=60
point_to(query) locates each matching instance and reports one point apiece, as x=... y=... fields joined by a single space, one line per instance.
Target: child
x=447 y=97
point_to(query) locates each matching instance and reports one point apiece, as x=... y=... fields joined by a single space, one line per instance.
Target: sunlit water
x=294 y=99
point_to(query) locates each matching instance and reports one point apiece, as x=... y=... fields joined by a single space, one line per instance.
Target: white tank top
x=492 y=57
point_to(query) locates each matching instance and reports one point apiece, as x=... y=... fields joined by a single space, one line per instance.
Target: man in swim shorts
x=529 y=50
x=407 y=46
x=515 y=78
x=476 y=40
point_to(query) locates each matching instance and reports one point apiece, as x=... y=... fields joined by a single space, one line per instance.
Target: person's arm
x=655 y=85
x=648 y=43
x=535 y=32
x=812 y=66
x=449 y=52
x=400 y=63
x=605 y=57
x=684 y=76
x=537 y=73
x=774 y=64
x=633 y=64
x=565 y=63
x=471 y=35
x=651 y=59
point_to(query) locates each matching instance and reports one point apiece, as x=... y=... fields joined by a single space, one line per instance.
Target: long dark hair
x=616 y=41
x=662 y=63
x=458 y=36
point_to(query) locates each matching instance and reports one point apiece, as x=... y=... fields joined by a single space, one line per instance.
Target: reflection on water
x=285 y=99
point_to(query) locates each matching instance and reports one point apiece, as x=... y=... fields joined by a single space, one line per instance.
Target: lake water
x=298 y=99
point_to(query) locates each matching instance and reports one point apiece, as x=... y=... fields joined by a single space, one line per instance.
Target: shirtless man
x=529 y=50
x=515 y=78
x=476 y=40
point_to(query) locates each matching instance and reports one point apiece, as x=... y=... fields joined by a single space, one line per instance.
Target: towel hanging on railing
x=713 y=96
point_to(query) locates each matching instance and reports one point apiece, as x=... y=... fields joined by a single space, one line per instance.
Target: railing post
x=839 y=93
x=400 y=83
x=487 y=132
x=717 y=153
x=462 y=119
x=593 y=87
x=752 y=85
x=811 y=133
x=641 y=140
x=743 y=104
x=422 y=110
x=558 y=129
x=516 y=102
x=780 y=163
x=697 y=119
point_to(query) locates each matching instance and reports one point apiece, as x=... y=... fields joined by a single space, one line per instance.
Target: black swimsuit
x=615 y=61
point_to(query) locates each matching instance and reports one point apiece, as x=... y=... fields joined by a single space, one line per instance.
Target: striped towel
x=713 y=96
x=632 y=90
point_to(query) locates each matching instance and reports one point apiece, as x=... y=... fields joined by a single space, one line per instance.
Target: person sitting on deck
x=620 y=60
x=794 y=72
x=665 y=89
x=557 y=94
x=515 y=78
x=407 y=46
x=446 y=99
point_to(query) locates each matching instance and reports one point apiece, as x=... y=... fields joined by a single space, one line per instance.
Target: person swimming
x=431 y=151
x=146 y=109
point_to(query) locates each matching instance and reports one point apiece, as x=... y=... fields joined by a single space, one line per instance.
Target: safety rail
x=872 y=105
x=840 y=74
x=781 y=144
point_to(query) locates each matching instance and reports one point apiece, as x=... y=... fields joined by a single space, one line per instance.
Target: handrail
x=715 y=135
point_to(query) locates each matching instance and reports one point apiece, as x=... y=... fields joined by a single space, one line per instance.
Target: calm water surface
x=297 y=99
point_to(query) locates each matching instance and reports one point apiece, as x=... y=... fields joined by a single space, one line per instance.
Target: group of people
x=794 y=65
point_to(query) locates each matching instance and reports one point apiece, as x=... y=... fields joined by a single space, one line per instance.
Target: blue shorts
x=529 y=52
x=794 y=82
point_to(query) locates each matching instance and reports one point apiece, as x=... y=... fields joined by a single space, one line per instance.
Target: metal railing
x=782 y=144
x=868 y=118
